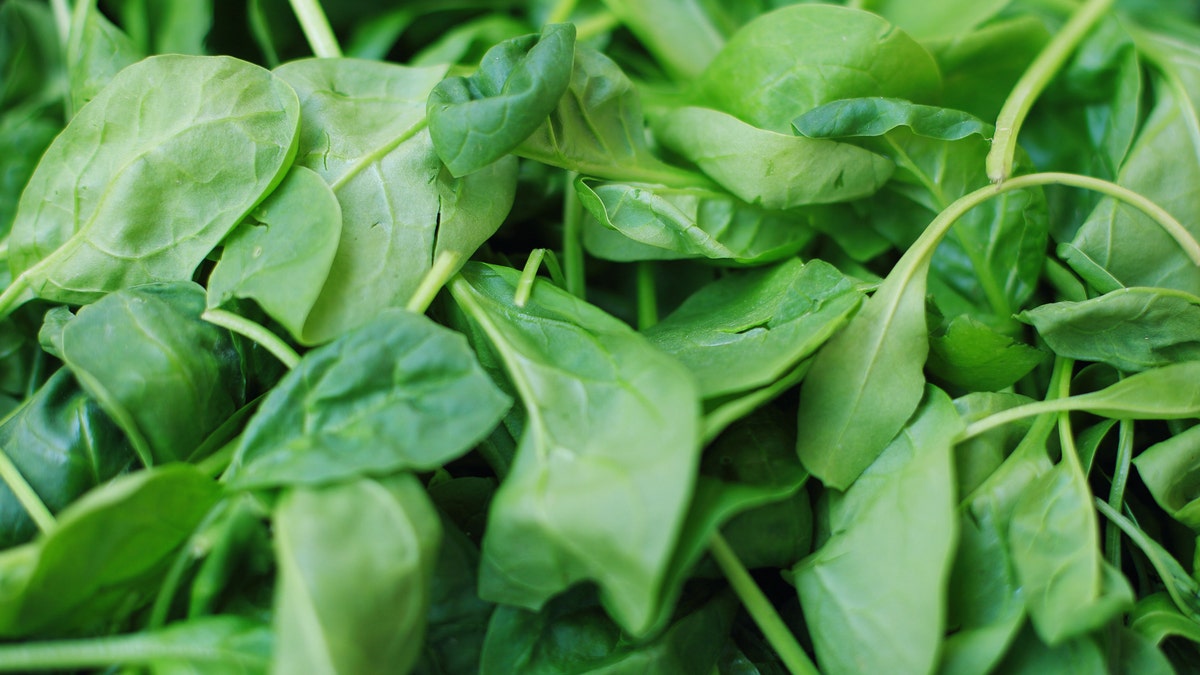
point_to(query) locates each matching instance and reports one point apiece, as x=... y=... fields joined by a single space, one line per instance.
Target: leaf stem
x=249 y=329
x=14 y=295
x=647 y=295
x=316 y=28
x=573 y=239
x=999 y=160
x=1116 y=494
x=135 y=649
x=772 y=626
x=25 y=494
x=62 y=21
x=444 y=267
x=528 y=276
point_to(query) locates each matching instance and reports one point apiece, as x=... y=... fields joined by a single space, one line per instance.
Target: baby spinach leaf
x=613 y=424
x=769 y=169
x=106 y=553
x=281 y=255
x=63 y=445
x=375 y=401
x=789 y=61
x=476 y=120
x=1156 y=618
x=457 y=618
x=1118 y=245
x=598 y=129
x=853 y=583
x=1131 y=329
x=365 y=132
x=867 y=117
x=970 y=354
x=30 y=54
x=164 y=375
x=167 y=26
x=97 y=51
x=1030 y=655
x=572 y=635
x=1182 y=587
x=979 y=68
x=112 y=204
x=1169 y=469
x=360 y=613
x=952 y=19
x=651 y=222
x=23 y=139
x=746 y=330
x=683 y=37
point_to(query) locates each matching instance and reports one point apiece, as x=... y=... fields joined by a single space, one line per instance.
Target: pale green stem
x=528 y=276
x=1066 y=436
x=249 y=329
x=1116 y=494
x=562 y=11
x=1020 y=412
x=1020 y=100
x=554 y=268
x=596 y=24
x=778 y=635
x=316 y=28
x=573 y=239
x=62 y=21
x=647 y=295
x=13 y=296
x=444 y=267
x=25 y=494
x=136 y=649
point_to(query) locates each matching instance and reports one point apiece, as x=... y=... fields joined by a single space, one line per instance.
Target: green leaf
x=600 y=481
x=980 y=68
x=769 y=169
x=360 y=613
x=649 y=222
x=23 y=139
x=1029 y=655
x=30 y=55
x=888 y=556
x=166 y=377
x=749 y=329
x=789 y=61
x=476 y=120
x=457 y=618
x=106 y=554
x=96 y=52
x=63 y=445
x=682 y=36
x=365 y=132
x=1181 y=586
x=1156 y=618
x=972 y=355
x=598 y=129
x=112 y=205
x=951 y=19
x=1132 y=329
x=877 y=116
x=1168 y=468
x=375 y=401
x=281 y=255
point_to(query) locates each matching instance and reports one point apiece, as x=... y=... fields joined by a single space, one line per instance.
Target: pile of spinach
x=587 y=336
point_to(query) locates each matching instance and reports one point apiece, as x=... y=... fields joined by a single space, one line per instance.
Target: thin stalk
x=12 y=297
x=596 y=24
x=1063 y=367
x=573 y=239
x=1116 y=494
x=25 y=494
x=647 y=295
x=528 y=276
x=62 y=21
x=174 y=578
x=772 y=626
x=1016 y=107
x=316 y=28
x=561 y=11
x=249 y=329
x=554 y=269
x=136 y=649
x=444 y=267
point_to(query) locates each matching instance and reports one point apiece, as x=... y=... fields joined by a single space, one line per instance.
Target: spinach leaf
x=968 y=353
x=63 y=445
x=110 y=204
x=364 y=130
x=1156 y=618
x=789 y=61
x=165 y=376
x=746 y=330
x=23 y=139
x=979 y=68
x=457 y=618
x=951 y=19
x=603 y=500
x=375 y=401
x=362 y=613
x=97 y=51
x=281 y=255
x=634 y=221
x=769 y=169
x=883 y=565
x=1132 y=329
x=1168 y=468
x=166 y=26
x=108 y=550
x=476 y=120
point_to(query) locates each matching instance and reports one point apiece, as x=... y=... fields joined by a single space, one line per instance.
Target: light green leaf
x=1169 y=469
x=950 y=19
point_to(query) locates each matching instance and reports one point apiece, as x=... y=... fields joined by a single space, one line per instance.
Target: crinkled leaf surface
x=476 y=120
x=281 y=254
x=113 y=204
x=359 y=613
x=375 y=401
x=748 y=329
x=167 y=377
x=596 y=487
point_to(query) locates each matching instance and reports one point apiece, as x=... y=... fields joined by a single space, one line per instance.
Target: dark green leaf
x=598 y=483
x=1170 y=469
x=476 y=120
x=970 y=354
x=375 y=401
x=877 y=116
x=362 y=613
x=979 y=68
